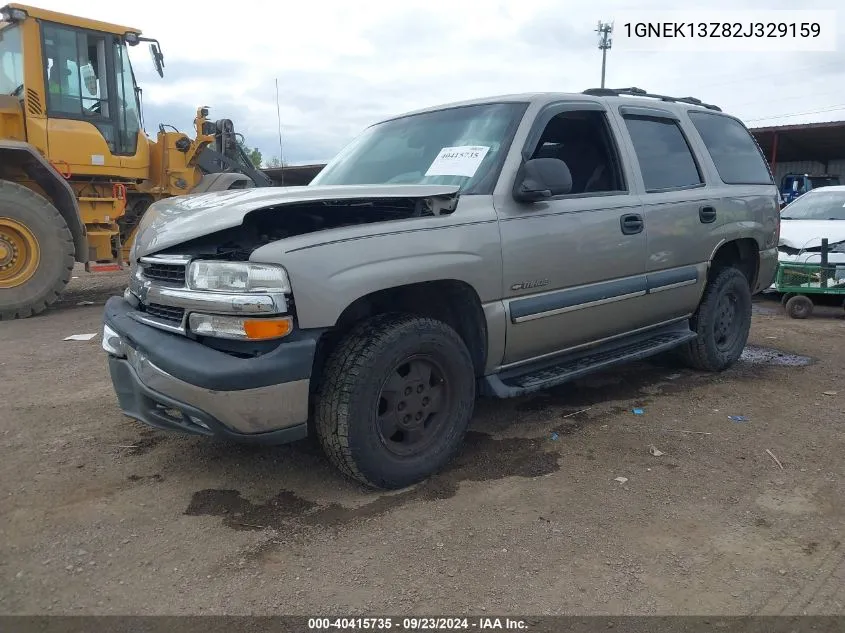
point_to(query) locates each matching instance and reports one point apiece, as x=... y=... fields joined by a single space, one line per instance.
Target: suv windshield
x=817 y=205
x=462 y=146
x=11 y=61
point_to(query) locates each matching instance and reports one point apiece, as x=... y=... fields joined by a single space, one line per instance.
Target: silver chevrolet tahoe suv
x=493 y=247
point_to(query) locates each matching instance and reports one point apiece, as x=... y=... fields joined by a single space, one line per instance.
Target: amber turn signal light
x=263 y=329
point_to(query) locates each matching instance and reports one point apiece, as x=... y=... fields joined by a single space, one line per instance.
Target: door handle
x=707 y=214
x=631 y=223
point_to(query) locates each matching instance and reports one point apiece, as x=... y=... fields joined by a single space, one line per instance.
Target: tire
x=786 y=298
x=136 y=208
x=799 y=307
x=360 y=426
x=28 y=218
x=722 y=328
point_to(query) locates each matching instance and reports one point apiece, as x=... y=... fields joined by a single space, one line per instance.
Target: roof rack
x=639 y=92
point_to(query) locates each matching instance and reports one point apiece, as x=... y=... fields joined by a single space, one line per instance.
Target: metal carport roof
x=821 y=142
x=293 y=175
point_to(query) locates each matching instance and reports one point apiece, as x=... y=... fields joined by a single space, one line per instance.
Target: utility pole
x=281 y=149
x=604 y=30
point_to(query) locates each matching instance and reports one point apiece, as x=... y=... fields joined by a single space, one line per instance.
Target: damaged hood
x=801 y=240
x=176 y=220
x=804 y=234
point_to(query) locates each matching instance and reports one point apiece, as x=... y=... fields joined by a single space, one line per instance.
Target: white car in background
x=816 y=215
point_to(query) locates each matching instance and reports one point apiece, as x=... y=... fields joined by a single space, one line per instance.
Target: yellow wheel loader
x=77 y=170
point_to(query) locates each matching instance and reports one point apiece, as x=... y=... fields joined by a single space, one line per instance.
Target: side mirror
x=158 y=58
x=794 y=185
x=542 y=178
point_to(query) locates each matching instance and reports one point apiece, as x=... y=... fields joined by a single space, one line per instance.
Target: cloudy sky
x=343 y=65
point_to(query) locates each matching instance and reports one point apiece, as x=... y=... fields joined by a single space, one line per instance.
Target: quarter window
x=665 y=158
x=735 y=153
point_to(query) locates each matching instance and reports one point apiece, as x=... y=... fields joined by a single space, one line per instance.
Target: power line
x=786 y=71
x=279 y=118
x=734 y=106
x=833 y=108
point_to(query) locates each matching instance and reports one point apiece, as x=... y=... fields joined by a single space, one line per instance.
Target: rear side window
x=735 y=153
x=665 y=158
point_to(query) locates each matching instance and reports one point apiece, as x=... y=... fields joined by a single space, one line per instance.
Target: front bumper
x=171 y=382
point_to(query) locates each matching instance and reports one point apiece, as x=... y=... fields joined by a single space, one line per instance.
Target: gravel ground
x=100 y=515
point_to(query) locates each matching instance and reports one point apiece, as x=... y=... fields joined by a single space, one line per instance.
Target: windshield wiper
x=786 y=217
x=17 y=91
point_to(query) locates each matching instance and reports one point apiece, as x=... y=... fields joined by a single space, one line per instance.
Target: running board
x=541 y=375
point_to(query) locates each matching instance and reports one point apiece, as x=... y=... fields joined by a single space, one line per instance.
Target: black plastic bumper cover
x=141 y=403
x=202 y=366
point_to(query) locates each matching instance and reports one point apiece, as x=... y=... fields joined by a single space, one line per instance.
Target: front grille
x=174 y=273
x=166 y=313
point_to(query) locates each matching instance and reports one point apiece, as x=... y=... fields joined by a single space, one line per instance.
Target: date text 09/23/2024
x=416 y=624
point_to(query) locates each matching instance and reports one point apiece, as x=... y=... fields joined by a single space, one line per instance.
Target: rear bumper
x=171 y=382
x=768 y=269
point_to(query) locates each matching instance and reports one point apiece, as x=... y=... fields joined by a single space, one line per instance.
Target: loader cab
x=11 y=60
x=77 y=90
x=90 y=79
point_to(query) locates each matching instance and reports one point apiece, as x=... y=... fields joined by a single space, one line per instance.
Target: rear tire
x=36 y=252
x=395 y=400
x=722 y=322
x=799 y=307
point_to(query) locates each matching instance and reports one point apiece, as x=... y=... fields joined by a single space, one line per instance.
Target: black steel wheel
x=395 y=399
x=725 y=330
x=413 y=405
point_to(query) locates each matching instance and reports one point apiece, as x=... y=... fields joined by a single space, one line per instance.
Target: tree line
x=257 y=158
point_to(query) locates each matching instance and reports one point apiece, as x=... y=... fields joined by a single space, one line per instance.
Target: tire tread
x=51 y=213
x=695 y=353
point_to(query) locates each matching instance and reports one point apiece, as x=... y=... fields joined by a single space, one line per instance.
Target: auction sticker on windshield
x=458 y=161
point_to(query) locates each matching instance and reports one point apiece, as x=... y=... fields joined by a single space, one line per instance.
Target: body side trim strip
x=576 y=298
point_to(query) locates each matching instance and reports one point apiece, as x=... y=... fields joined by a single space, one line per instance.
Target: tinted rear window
x=733 y=149
x=665 y=158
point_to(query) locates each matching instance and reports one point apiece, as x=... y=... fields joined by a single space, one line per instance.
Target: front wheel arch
x=54 y=188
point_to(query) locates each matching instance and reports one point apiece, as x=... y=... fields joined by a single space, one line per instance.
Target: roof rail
x=639 y=92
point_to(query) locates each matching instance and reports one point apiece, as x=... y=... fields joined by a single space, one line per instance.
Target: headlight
x=217 y=276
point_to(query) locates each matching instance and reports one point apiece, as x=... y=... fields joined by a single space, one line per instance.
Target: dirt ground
x=100 y=515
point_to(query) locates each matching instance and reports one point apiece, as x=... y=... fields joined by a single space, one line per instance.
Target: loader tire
x=395 y=400
x=36 y=252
